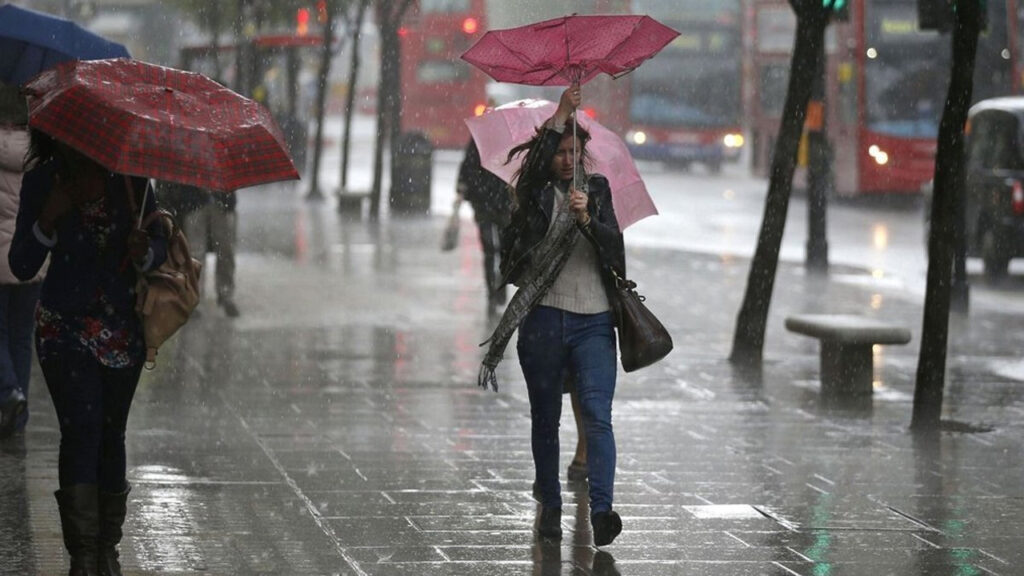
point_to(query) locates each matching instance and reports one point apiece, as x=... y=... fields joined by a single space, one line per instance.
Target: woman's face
x=561 y=164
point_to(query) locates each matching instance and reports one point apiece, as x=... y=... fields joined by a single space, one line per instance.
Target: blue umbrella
x=31 y=42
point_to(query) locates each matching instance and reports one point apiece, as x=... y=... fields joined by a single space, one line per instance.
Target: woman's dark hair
x=41 y=147
x=530 y=177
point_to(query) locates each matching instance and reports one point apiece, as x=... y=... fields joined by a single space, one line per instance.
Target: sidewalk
x=335 y=428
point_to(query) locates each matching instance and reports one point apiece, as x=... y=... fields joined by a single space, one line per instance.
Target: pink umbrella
x=569 y=49
x=501 y=129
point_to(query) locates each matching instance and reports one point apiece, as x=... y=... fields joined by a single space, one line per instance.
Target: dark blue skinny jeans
x=92 y=403
x=17 y=321
x=553 y=345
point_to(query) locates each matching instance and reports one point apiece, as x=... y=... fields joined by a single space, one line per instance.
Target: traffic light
x=941 y=14
x=840 y=8
x=302 y=22
x=935 y=14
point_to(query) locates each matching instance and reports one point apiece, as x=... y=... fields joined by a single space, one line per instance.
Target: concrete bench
x=350 y=202
x=846 y=341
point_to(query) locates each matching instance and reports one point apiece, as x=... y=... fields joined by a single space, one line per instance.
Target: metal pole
x=817 y=173
x=959 y=287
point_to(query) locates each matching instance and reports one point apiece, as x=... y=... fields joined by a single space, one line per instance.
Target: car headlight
x=881 y=156
x=733 y=140
x=636 y=137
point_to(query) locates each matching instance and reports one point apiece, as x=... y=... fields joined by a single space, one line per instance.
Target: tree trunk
x=390 y=14
x=949 y=166
x=321 y=97
x=350 y=97
x=241 y=82
x=215 y=24
x=748 y=340
x=388 y=39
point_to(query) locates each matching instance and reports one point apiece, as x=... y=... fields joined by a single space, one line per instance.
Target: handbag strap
x=621 y=282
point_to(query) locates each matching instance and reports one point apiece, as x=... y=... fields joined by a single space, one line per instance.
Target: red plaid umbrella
x=147 y=120
x=569 y=49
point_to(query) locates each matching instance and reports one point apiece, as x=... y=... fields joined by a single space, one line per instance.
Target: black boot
x=79 y=522
x=113 y=509
x=549 y=523
x=606 y=526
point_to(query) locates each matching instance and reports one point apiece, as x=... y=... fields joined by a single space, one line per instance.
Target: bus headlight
x=636 y=136
x=733 y=140
x=881 y=156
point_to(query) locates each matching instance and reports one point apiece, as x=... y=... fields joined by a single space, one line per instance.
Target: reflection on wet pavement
x=335 y=428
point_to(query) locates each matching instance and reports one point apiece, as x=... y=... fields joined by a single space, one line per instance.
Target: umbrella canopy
x=569 y=49
x=498 y=131
x=147 y=120
x=31 y=42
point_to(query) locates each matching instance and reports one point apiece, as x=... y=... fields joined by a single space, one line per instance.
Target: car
x=994 y=184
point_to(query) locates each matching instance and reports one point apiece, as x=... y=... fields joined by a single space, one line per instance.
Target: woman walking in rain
x=562 y=237
x=88 y=337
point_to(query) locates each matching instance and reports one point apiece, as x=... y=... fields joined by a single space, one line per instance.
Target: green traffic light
x=834 y=5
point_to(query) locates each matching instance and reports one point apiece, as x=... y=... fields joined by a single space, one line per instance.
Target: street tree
x=949 y=178
x=812 y=17
x=241 y=18
x=354 y=26
x=389 y=92
x=327 y=11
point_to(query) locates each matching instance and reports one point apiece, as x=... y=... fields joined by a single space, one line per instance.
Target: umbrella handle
x=142 y=206
x=131 y=198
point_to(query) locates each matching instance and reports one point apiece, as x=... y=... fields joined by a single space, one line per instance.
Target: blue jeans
x=17 y=320
x=553 y=345
x=92 y=403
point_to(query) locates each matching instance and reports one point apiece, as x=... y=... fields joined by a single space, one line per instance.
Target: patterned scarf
x=552 y=254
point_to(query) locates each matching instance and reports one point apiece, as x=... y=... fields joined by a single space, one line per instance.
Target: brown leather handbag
x=643 y=339
x=167 y=295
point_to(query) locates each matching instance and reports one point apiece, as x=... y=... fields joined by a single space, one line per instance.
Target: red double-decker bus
x=440 y=89
x=886 y=85
x=685 y=104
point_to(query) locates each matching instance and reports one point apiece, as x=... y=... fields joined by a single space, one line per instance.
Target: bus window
x=773 y=85
x=904 y=92
x=441 y=72
x=443 y=6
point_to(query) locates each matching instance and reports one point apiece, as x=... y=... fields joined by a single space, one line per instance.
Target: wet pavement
x=335 y=428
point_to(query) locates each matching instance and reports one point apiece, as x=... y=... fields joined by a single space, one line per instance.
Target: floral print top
x=112 y=337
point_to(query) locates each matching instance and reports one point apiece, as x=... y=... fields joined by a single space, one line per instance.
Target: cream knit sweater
x=578 y=287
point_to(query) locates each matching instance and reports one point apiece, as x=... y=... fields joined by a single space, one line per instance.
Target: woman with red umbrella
x=558 y=248
x=89 y=339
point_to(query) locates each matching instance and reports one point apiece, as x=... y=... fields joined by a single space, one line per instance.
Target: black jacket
x=531 y=219
x=487 y=193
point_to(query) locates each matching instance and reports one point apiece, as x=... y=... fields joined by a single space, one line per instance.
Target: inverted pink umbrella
x=570 y=49
x=498 y=131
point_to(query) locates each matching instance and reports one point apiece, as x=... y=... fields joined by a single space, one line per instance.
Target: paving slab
x=335 y=428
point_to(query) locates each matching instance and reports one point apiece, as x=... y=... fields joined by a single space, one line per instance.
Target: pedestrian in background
x=557 y=249
x=210 y=223
x=17 y=298
x=89 y=339
x=492 y=203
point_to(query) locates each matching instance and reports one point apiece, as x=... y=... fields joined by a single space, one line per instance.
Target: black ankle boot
x=113 y=509
x=606 y=526
x=549 y=523
x=79 y=522
x=11 y=408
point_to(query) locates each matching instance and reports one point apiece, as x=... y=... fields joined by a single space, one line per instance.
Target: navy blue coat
x=77 y=269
